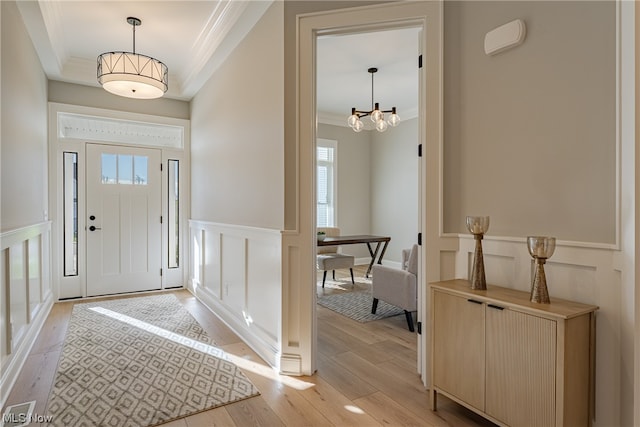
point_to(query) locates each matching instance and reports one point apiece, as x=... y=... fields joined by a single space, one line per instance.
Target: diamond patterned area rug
x=140 y=362
x=357 y=305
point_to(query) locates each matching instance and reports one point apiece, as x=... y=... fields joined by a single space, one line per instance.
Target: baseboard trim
x=262 y=347
x=366 y=261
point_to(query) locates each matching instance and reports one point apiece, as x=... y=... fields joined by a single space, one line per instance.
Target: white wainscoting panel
x=234 y=266
x=578 y=272
x=26 y=298
x=236 y=272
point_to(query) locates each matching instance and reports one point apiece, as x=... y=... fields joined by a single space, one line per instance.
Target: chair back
x=329 y=232
x=412 y=262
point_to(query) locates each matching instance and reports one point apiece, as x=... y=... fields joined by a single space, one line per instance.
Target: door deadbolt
x=92 y=217
x=94 y=228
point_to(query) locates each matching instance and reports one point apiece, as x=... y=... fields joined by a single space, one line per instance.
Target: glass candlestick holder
x=541 y=248
x=478 y=226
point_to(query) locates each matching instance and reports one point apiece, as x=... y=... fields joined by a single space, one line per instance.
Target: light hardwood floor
x=366 y=375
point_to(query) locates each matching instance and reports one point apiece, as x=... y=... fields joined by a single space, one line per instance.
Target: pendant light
x=131 y=74
x=376 y=114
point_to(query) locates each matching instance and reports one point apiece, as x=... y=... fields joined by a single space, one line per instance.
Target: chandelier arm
x=361 y=114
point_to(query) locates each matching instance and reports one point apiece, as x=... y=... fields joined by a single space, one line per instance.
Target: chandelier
x=131 y=74
x=377 y=115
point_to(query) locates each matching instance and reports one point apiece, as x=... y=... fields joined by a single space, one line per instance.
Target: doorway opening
x=367 y=181
x=427 y=17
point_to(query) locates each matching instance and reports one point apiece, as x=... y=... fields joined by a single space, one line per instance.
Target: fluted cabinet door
x=458 y=345
x=521 y=364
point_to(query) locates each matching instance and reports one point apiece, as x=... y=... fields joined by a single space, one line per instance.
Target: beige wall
x=394 y=186
x=96 y=97
x=237 y=133
x=530 y=132
x=24 y=126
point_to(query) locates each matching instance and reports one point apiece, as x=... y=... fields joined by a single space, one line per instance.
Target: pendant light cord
x=372 y=91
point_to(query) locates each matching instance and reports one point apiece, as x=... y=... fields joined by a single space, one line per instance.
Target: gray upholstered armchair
x=330 y=259
x=398 y=287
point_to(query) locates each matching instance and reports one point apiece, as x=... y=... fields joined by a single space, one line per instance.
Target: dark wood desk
x=366 y=239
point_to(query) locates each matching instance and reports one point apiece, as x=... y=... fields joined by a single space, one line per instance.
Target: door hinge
x=160 y=167
x=419 y=327
x=419 y=239
x=419 y=61
x=161 y=272
x=160 y=219
x=419 y=150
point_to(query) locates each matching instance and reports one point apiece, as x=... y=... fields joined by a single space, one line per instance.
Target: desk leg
x=373 y=257
x=384 y=249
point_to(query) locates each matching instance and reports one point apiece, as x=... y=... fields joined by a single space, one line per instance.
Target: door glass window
x=109 y=168
x=124 y=169
x=140 y=168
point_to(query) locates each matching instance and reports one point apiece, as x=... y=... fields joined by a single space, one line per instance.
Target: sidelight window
x=174 y=218
x=70 y=214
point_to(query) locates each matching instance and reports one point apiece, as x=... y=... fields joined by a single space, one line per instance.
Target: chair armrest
x=397 y=287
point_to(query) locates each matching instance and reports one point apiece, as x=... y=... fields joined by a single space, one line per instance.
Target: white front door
x=123 y=219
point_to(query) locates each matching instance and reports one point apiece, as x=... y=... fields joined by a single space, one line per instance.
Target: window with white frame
x=326 y=179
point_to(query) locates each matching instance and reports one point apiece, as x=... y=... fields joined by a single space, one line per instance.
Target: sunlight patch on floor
x=242 y=363
x=354 y=409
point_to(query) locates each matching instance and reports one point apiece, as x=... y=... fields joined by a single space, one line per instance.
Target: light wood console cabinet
x=515 y=362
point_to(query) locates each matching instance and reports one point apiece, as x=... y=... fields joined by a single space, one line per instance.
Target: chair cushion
x=335 y=261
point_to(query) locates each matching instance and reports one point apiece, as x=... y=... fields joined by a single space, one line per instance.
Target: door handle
x=94 y=228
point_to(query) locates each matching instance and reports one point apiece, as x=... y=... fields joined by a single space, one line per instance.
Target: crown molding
x=52 y=16
x=220 y=22
x=45 y=33
x=226 y=27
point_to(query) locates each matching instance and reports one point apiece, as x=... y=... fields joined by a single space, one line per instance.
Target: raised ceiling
x=194 y=37
x=191 y=37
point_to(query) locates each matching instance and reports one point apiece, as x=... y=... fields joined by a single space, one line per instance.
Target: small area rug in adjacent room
x=357 y=305
x=140 y=362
